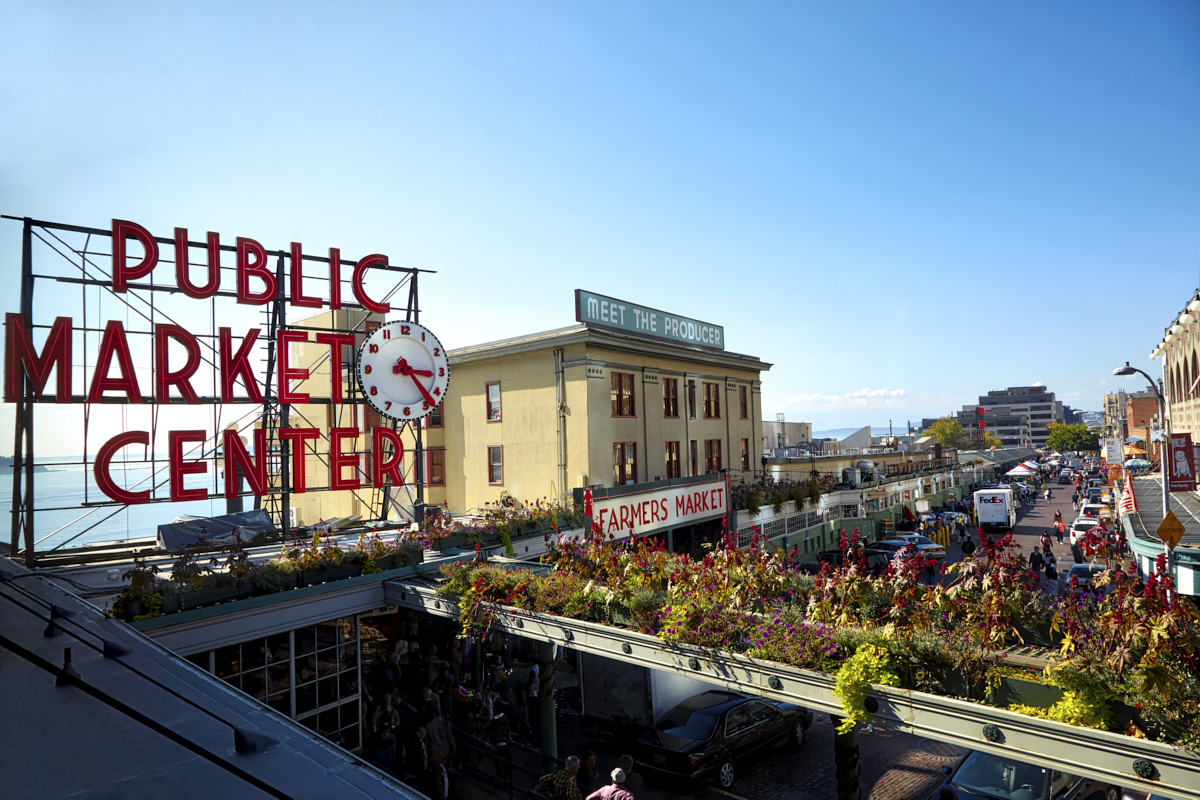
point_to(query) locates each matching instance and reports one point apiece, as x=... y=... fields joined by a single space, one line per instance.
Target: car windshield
x=687 y=723
x=921 y=540
x=992 y=776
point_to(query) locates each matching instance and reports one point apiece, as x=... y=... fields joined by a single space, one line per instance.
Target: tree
x=1073 y=437
x=948 y=432
x=985 y=441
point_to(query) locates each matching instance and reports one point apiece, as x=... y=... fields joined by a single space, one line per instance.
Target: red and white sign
x=643 y=512
x=1181 y=470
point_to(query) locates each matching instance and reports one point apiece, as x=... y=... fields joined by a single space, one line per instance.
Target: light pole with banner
x=1162 y=458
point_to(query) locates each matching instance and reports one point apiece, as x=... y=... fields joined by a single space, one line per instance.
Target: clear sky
x=901 y=205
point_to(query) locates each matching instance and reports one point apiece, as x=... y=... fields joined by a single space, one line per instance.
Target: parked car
x=895 y=548
x=1085 y=575
x=877 y=560
x=1065 y=477
x=984 y=776
x=924 y=544
x=1080 y=526
x=712 y=735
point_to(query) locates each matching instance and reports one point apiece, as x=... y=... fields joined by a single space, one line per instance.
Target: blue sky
x=899 y=205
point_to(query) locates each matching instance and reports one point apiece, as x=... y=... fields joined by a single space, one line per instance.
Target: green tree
x=1073 y=437
x=948 y=432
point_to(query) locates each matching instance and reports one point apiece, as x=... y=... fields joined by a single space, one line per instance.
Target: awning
x=1133 y=448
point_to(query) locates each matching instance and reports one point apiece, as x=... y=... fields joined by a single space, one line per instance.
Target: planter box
x=340 y=572
x=215 y=594
x=1013 y=691
x=450 y=542
x=171 y=602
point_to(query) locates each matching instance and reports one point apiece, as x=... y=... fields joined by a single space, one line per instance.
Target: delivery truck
x=995 y=510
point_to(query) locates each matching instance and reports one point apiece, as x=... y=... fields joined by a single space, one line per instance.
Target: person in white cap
x=615 y=790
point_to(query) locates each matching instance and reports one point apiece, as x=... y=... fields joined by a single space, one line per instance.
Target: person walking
x=968 y=548
x=1060 y=528
x=1052 y=576
x=1037 y=564
x=615 y=790
x=1044 y=541
x=561 y=785
x=1075 y=501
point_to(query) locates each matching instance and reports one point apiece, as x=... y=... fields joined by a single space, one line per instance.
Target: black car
x=710 y=736
x=876 y=561
x=984 y=776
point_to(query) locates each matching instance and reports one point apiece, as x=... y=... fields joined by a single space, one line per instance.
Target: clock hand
x=428 y=397
x=402 y=368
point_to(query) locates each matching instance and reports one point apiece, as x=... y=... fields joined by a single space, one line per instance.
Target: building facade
x=536 y=416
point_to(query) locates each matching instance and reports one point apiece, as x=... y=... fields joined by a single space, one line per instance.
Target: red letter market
x=114 y=379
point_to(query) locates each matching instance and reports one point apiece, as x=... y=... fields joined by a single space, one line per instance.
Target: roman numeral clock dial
x=402 y=370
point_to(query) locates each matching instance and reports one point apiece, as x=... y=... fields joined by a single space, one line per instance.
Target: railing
x=1110 y=757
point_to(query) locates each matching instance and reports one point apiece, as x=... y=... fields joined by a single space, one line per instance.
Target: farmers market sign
x=640 y=513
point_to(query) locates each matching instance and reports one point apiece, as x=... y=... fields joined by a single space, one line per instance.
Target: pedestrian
x=1044 y=541
x=1037 y=563
x=633 y=780
x=1060 y=528
x=561 y=785
x=615 y=790
x=586 y=777
x=1052 y=576
x=968 y=547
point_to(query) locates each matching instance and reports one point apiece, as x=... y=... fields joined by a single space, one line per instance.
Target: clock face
x=402 y=370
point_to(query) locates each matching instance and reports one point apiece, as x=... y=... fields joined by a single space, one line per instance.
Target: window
x=622 y=394
x=695 y=471
x=671 y=397
x=672 y=459
x=624 y=463
x=495 y=465
x=493 y=402
x=434 y=418
x=691 y=399
x=745 y=454
x=712 y=401
x=435 y=466
x=712 y=455
x=743 y=405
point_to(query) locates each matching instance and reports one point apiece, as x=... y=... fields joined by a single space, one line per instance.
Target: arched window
x=1178 y=385
x=1187 y=381
x=1195 y=374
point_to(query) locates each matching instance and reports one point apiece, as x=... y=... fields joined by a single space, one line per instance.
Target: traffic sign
x=1170 y=530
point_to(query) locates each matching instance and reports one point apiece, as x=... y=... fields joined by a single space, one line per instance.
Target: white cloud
x=859 y=398
x=1038 y=383
x=1104 y=383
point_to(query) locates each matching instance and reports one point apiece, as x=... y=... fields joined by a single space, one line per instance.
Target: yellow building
x=536 y=416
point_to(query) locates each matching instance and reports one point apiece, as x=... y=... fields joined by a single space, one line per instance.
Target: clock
x=402 y=370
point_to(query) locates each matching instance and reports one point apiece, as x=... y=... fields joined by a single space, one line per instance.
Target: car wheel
x=725 y=774
x=1112 y=794
x=799 y=733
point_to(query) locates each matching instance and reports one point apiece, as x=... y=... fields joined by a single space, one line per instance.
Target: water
x=65 y=487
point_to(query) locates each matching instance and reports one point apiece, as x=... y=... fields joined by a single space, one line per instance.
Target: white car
x=1081 y=525
x=924 y=544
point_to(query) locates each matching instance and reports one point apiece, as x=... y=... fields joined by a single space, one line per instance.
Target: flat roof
x=95 y=709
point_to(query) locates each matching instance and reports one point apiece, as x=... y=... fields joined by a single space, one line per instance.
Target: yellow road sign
x=1170 y=530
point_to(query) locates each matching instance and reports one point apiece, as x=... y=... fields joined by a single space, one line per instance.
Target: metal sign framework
x=67 y=256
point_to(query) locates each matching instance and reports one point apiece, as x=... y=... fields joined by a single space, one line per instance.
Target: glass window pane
x=279 y=679
x=228 y=661
x=327 y=691
x=279 y=647
x=254 y=683
x=254 y=654
x=306 y=669
x=306 y=640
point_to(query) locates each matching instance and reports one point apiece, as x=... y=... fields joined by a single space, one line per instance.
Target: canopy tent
x=1133 y=449
x=1137 y=462
x=1029 y=465
x=1018 y=472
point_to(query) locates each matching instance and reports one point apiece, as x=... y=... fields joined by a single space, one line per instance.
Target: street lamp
x=1162 y=446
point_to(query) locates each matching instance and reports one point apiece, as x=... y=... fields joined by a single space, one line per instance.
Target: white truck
x=995 y=510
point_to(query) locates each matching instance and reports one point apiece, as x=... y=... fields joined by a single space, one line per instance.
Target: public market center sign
x=606 y=312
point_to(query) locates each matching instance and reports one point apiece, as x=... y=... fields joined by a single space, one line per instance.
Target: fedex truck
x=995 y=510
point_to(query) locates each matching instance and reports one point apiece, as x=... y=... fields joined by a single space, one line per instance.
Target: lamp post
x=1162 y=449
